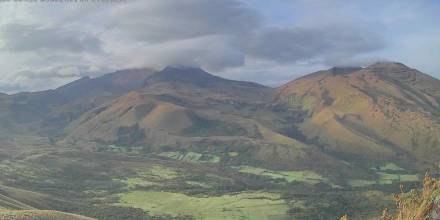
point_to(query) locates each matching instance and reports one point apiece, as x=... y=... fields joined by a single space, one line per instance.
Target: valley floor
x=115 y=181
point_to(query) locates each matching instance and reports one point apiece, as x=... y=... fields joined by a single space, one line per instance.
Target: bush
x=417 y=204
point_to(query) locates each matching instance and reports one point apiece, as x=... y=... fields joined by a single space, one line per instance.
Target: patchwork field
x=309 y=177
x=125 y=182
x=245 y=205
x=192 y=157
x=387 y=174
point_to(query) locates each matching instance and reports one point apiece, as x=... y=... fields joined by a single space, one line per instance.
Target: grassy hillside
x=39 y=215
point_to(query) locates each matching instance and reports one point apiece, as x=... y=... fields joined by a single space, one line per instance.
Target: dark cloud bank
x=207 y=33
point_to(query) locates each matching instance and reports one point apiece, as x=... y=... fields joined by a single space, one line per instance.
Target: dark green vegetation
x=183 y=144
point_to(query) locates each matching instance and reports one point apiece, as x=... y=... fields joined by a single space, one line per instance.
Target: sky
x=47 y=44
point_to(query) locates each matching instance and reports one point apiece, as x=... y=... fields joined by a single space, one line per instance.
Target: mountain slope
x=185 y=79
x=192 y=110
x=175 y=102
x=382 y=112
x=30 y=112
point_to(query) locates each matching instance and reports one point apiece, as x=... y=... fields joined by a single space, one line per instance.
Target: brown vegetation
x=417 y=204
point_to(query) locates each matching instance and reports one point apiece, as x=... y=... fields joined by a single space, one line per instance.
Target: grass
x=247 y=205
x=385 y=178
x=361 y=183
x=152 y=176
x=16 y=169
x=417 y=204
x=120 y=149
x=158 y=172
x=191 y=157
x=288 y=176
x=198 y=184
x=10 y=203
x=138 y=182
x=39 y=215
x=398 y=177
x=233 y=154
x=389 y=167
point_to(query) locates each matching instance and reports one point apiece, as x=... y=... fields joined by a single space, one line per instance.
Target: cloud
x=55 y=42
x=18 y=37
x=46 y=78
x=299 y=44
x=168 y=20
x=209 y=52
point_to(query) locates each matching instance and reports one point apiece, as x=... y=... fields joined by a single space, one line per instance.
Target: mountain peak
x=344 y=70
x=388 y=65
x=181 y=68
x=189 y=75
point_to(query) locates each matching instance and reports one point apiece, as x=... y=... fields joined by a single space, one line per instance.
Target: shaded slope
x=47 y=111
x=196 y=79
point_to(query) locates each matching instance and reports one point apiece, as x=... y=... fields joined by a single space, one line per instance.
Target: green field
x=246 y=205
x=178 y=185
x=384 y=179
x=398 y=177
x=288 y=176
x=192 y=157
x=388 y=167
x=150 y=176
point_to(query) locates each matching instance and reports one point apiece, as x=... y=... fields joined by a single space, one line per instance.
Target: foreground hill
x=386 y=111
x=39 y=215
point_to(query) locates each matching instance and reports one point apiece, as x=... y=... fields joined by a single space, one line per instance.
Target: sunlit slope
x=129 y=119
x=382 y=111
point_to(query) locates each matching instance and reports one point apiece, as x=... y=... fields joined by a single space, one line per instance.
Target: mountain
x=53 y=109
x=385 y=112
x=192 y=110
x=130 y=144
x=188 y=79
